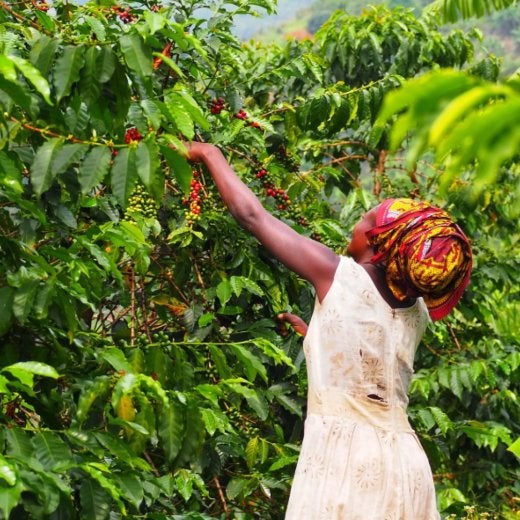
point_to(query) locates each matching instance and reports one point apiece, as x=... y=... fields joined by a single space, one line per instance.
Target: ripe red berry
x=217 y=105
x=126 y=16
x=132 y=134
x=241 y=114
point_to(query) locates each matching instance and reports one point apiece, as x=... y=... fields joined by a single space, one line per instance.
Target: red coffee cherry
x=217 y=105
x=241 y=114
x=132 y=134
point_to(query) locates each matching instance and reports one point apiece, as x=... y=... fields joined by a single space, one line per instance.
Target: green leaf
x=68 y=154
x=515 y=447
x=184 y=483
x=252 y=364
x=32 y=367
x=90 y=84
x=101 y=474
x=254 y=399
x=95 y=501
x=43 y=52
x=280 y=393
x=18 y=444
x=67 y=69
x=33 y=75
x=457 y=109
x=124 y=174
x=131 y=488
x=45 y=20
x=180 y=167
x=251 y=451
x=224 y=292
x=7 y=69
x=171 y=429
x=6 y=308
x=18 y=93
x=177 y=113
x=90 y=392
x=153 y=112
x=443 y=421
x=51 y=451
x=94 y=168
x=10 y=497
x=7 y=472
x=106 y=63
x=137 y=56
x=97 y=27
x=249 y=285
x=147 y=157
x=182 y=96
x=24 y=299
x=454 y=10
x=214 y=421
x=282 y=462
x=121 y=451
x=236 y=487
x=117 y=359
x=10 y=176
x=42 y=171
x=155 y=21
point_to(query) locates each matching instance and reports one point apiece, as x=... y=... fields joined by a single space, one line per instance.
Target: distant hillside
x=247 y=27
x=299 y=17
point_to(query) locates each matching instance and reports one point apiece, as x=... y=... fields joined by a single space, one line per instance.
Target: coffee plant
x=143 y=373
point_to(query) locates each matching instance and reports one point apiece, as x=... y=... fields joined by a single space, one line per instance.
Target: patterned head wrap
x=425 y=253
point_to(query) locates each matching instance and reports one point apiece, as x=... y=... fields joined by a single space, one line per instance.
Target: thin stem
x=24 y=19
x=221 y=495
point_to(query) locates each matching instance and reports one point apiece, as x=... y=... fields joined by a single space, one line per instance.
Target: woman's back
x=360 y=458
x=358 y=344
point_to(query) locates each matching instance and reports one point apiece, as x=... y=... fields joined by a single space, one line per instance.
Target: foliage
x=142 y=373
x=466 y=121
x=453 y=10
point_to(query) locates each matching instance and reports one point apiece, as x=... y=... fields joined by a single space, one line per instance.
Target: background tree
x=142 y=373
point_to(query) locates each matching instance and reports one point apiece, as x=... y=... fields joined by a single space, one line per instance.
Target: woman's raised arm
x=306 y=257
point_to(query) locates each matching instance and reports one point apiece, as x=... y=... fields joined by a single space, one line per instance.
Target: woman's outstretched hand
x=299 y=326
x=198 y=152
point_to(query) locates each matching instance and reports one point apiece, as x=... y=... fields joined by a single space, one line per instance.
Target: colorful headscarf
x=424 y=252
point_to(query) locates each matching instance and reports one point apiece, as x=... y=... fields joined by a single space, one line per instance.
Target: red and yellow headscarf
x=424 y=252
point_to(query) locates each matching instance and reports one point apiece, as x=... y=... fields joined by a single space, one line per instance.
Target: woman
x=407 y=261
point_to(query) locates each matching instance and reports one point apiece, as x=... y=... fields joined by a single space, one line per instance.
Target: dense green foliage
x=142 y=372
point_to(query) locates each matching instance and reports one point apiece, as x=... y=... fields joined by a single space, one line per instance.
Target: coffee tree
x=143 y=373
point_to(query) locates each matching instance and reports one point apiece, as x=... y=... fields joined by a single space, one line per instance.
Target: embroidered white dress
x=360 y=459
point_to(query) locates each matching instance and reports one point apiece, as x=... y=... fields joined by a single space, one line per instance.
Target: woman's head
x=424 y=252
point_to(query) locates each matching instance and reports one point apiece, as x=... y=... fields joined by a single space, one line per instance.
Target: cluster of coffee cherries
x=124 y=15
x=217 y=105
x=242 y=422
x=141 y=204
x=270 y=189
x=194 y=200
x=241 y=114
x=210 y=368
x=132 y=134
x=244 y=116
x=287 y=159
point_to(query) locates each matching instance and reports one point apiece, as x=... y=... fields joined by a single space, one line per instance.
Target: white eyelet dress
x=360 y=459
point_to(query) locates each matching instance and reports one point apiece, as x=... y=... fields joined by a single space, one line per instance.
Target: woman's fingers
x=299 y=326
